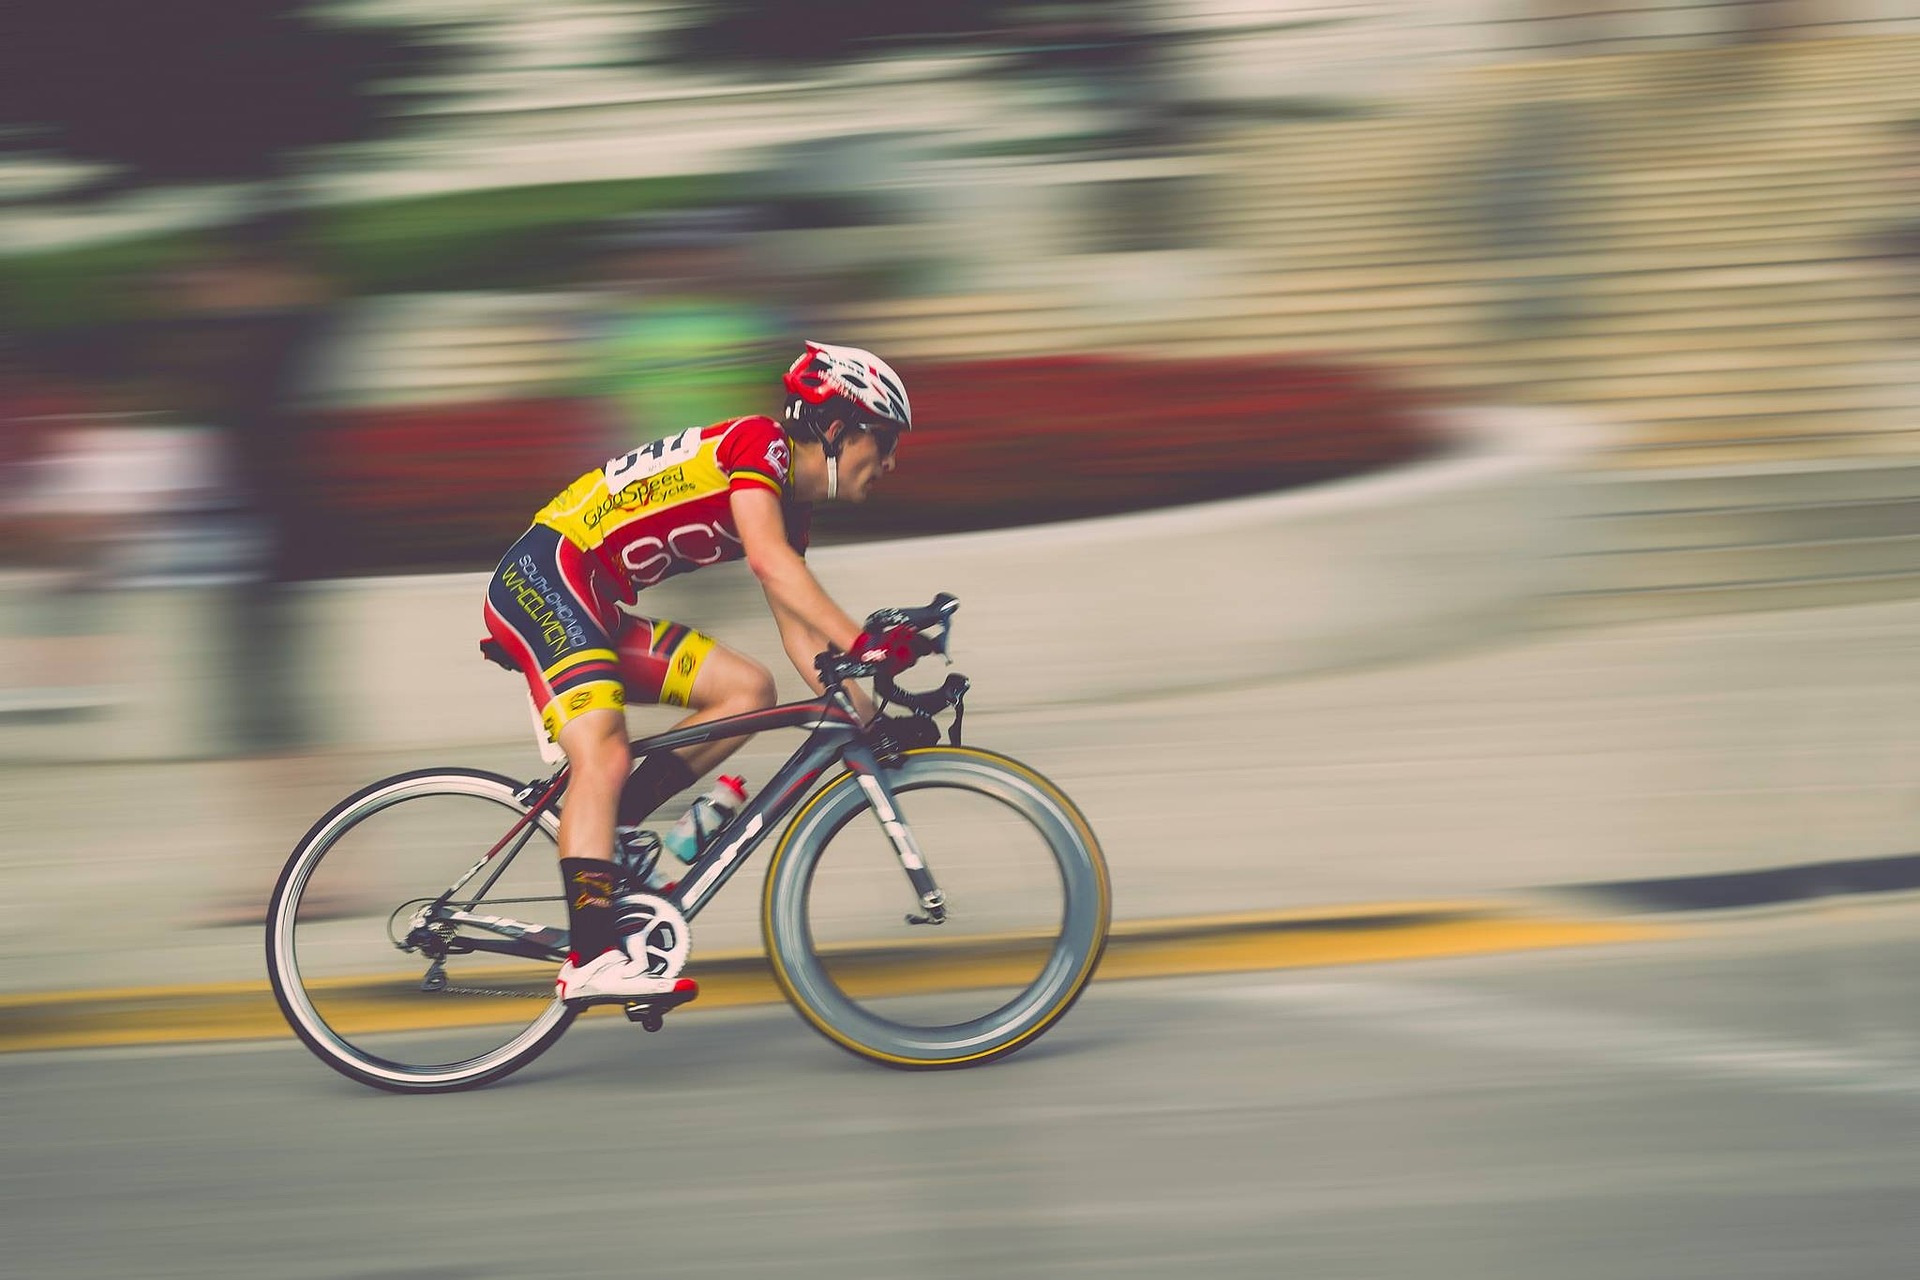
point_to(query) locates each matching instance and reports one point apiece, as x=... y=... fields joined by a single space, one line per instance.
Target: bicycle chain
x=489 y=991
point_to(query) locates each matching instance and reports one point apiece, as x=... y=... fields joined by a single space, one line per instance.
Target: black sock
x=589 y=887
x=652 y=783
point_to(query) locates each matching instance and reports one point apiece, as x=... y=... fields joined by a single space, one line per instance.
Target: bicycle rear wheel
x=371 y=961
x=1027 y=902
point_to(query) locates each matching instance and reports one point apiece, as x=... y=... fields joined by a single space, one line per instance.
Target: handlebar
x=937 y=614
x=835 y=667
x=934 y=701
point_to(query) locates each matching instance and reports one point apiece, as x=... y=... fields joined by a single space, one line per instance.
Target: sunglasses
x=885 y=435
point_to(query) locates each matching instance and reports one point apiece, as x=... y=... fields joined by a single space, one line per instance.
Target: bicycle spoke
x=382 y=974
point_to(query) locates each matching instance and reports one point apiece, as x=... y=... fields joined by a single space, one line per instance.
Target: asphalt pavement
x=1710 y=1094
x=1736 y=1105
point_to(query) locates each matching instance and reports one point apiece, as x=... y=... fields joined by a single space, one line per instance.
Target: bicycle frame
x=837 y=735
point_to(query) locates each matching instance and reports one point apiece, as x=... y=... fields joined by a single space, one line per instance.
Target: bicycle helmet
x=829 y=384
x=847 y=384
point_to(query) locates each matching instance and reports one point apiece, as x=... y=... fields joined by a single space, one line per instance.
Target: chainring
x=662 y=936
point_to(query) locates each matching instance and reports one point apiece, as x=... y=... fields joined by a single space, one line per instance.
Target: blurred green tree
x=171 y=91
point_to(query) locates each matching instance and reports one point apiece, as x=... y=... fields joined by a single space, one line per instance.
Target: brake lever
x=947 y=607
x=943 y=604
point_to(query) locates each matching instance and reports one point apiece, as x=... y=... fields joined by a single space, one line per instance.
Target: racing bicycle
x=415 y=932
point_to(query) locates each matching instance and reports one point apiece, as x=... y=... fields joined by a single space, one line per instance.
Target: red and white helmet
x=829 y=383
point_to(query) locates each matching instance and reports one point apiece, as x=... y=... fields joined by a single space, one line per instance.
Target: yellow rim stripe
x=1080 y=980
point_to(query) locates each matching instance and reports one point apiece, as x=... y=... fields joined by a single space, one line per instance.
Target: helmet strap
x=830 y=449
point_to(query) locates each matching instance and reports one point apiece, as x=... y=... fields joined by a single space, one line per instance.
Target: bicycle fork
x=933 y=907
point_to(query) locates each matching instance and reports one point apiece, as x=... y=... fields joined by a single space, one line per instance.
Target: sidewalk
x=1657 y=750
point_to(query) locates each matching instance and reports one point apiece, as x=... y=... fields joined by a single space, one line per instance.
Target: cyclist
x=742 y=489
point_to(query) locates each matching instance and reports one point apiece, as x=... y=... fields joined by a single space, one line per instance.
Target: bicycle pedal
x=649 y=1012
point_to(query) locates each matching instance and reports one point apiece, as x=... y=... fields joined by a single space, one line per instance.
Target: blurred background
x=1498 y=421
x=360 y=284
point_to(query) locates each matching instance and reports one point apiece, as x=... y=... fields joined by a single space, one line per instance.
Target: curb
x=1365 y=934
x=1743 y=890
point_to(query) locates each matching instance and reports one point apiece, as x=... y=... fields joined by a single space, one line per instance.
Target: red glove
x=896 y=647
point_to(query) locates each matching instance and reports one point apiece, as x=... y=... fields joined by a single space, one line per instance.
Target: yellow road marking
x=1136 y=949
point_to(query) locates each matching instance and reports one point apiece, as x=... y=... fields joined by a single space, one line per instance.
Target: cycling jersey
x=664 y=509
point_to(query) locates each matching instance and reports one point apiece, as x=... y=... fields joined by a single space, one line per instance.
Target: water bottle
x=705 y=816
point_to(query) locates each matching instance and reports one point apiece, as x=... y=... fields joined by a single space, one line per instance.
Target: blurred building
x=1675 y=219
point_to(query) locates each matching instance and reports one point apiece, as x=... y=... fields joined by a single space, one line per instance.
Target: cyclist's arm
x=802 y=643
x=809 y=621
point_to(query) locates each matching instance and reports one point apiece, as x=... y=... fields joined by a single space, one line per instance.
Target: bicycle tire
x=1073 y=955
x=295 y=990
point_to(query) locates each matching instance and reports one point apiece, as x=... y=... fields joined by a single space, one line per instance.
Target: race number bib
x=651 y=459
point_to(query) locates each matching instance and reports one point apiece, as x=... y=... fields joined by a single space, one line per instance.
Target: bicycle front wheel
x=1026 y=896
x=380 y=963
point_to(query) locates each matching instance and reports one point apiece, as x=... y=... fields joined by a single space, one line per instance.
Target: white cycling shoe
x=614 y=975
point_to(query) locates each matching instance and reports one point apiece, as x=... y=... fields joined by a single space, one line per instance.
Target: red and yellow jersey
x=665 y=508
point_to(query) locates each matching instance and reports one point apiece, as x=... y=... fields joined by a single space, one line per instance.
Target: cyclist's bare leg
x=596 y=747
x=729 y=684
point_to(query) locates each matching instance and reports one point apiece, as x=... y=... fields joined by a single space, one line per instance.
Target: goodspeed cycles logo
x=646 y=491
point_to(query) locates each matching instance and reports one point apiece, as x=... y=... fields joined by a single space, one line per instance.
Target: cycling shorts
x=552 y=608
